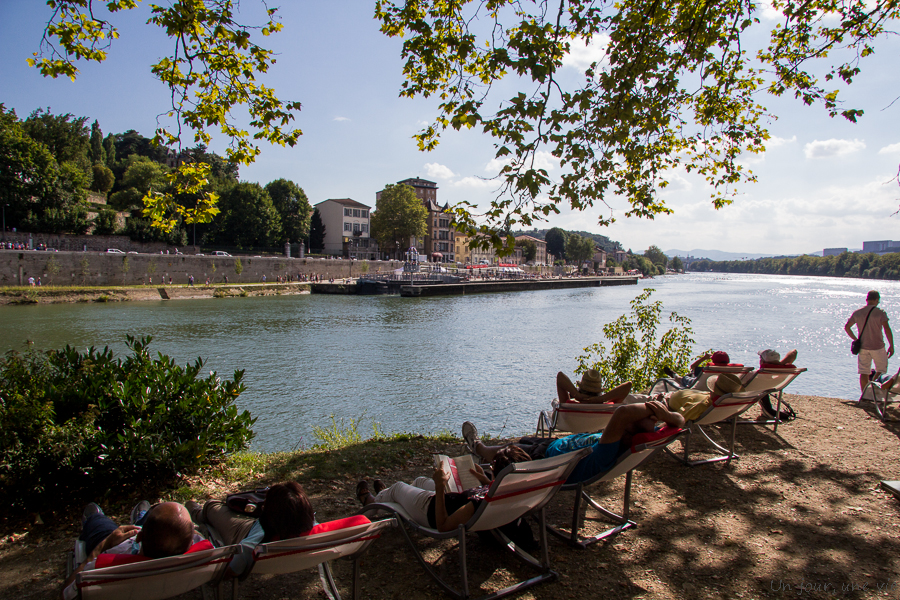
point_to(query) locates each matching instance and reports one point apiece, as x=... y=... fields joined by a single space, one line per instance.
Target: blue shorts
x=601 y=459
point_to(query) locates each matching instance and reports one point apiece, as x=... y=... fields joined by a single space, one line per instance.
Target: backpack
x=249 y=503
x=787 y=413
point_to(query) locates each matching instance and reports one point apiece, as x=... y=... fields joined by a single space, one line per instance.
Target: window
x=364 y=214
x=445 y=223
x=356 y=212
x=347 y=212
x=365 y=227
x=356 y=227
x=443 y=235
x=347 y=227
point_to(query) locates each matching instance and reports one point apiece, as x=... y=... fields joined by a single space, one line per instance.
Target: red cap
x=720 y=358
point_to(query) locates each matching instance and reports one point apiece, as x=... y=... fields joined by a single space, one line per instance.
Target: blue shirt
x=601 y=459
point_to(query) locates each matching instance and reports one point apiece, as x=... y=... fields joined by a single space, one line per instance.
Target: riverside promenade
x=512 y=285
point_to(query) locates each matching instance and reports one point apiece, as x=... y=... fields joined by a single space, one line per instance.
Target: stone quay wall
x=101 y=268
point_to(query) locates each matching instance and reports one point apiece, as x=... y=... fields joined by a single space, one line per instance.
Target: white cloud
x=473 y=183
x=438 y=171
x=832 y=148
x=892 y=149
x=775 y=141
x=766 y=12
x=341 y=119
x=581 y=55
x=677 y=183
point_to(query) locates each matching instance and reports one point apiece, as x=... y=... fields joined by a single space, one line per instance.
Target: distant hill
x=721 y=255
x=601 y=240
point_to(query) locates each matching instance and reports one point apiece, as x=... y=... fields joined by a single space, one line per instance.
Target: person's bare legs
x=863 y=381
x=627 y=416
x=789 y=358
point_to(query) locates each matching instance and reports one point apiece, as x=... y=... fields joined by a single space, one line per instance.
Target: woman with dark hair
x=428 y=504
x=287 y=513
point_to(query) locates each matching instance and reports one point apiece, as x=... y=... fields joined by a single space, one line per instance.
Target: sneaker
x=470 y=435
x=140 y=509
x=89 y=511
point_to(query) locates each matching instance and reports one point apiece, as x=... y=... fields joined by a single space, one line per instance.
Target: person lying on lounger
x=627 y=420
x=719 y=358
x=425 y=500
x=287 y=513
x=771 y=358
x=589 y=390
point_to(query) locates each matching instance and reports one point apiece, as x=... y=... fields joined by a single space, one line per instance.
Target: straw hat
x=591 y=383
x=724 y=383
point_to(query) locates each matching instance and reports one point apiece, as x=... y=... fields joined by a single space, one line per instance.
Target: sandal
x=378 y=485
x=362 y=491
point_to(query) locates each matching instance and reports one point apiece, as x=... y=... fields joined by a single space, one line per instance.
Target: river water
x=426 y=365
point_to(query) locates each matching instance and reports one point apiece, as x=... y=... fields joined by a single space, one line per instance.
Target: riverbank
x=800 y=514
x=69 y=295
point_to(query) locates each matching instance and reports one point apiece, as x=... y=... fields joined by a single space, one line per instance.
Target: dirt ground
x=799 y=514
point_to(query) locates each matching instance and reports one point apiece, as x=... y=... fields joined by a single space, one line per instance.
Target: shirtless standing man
x=872 y=340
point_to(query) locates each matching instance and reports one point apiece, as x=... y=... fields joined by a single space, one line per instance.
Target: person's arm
x=890 y=337
x=699 y=361
x=565 y=389
x=478 y=472
x=617 y=394
x=119 y=535
x=442 y=520
x=849 y=329
x=660 y=412
x=789 y=358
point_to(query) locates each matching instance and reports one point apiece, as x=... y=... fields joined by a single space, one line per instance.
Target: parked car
x=220 y=253
x=132 y=252
x=114 y=251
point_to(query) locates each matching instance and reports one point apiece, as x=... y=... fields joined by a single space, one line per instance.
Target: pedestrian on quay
x=870 y=323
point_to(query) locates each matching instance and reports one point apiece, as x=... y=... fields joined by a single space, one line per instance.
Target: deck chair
x=726 y=408
x=643 y=447
x=348 y=537
x=574 y=417
x=881 y=396
x=665 y=385
x=772 y=380
x=520 y=489
x=152 y=579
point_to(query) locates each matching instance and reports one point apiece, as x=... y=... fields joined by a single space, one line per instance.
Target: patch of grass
x=102 y=298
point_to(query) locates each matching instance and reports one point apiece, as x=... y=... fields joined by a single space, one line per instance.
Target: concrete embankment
x=64 y=295
x=516 y=285
x=106 y=269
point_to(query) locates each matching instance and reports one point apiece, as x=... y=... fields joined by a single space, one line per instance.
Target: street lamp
x=4 y=221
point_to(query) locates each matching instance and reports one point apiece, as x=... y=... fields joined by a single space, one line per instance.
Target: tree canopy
x=399 y=215
x=678 y=87
x=211 y=71
x=579 y=249
x=657 y=257
x=293 y=207
x=556 y=242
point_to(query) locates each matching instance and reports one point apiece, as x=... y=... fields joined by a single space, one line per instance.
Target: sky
x=822 y=182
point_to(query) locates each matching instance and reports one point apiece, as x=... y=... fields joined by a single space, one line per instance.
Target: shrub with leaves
x=636 y=352
x=73 y=421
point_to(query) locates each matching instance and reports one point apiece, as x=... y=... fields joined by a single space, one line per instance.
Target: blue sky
x=822 y=183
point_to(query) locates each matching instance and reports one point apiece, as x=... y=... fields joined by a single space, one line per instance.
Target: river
x=426 y=365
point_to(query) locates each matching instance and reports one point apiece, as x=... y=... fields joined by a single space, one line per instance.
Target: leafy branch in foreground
x=211 y=71
x=636 y=352
x=675 y=86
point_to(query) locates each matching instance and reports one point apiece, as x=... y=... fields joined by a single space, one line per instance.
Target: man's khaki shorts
x=866 y=357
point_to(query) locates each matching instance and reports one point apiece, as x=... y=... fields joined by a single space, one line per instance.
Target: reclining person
x=771 y=358
x=627 y=420
x=719 y=358
x=287 y=513
x=426 y=501
x=156 y=532
x=589 y=390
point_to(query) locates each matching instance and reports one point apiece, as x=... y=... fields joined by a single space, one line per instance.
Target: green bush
x=635 y=353
x=74 y=422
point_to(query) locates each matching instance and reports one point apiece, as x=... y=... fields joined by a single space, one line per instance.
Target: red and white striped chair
x=643 y=447
x=520 y=489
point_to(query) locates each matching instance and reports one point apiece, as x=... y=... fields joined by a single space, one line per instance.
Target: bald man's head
x=167 y=531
